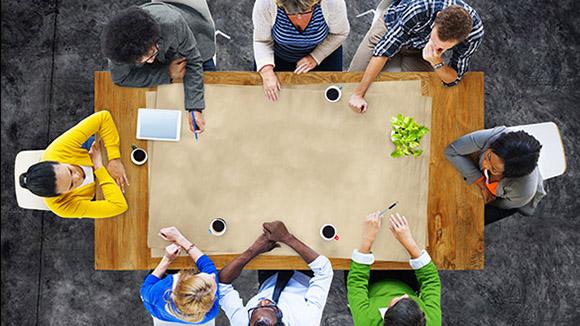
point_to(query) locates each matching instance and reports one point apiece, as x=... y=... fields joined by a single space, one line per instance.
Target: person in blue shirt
x=185 y=297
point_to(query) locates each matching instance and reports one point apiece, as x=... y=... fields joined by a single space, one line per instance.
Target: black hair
x=406 y=312
x=519 y=151
x=129 y=35
x=40 y=179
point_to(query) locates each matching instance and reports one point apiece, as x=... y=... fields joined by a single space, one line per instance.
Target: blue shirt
x=156 y=292
x=410 y=22
x=292 y=45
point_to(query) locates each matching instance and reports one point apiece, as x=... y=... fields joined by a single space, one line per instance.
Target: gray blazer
x=182 y=29
x=523 y=193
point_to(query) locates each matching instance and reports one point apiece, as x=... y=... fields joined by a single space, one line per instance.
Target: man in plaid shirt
x=415 y=34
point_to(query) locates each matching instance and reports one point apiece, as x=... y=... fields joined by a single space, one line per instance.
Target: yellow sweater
x=67 y=149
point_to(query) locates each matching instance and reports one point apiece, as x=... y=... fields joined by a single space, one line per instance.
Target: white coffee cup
x=138 y=153
x=334 y=236
x=333 y=93
x=223 y=226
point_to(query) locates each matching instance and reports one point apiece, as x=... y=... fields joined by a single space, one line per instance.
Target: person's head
x=452 y=26
x=51 y=179
x=512 y=155
x=404 y=311
x=131 y=37
x=193 y=297
x=296 y=6
x=265 y=313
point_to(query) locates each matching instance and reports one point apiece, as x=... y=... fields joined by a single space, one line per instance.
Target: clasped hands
x=273 y=232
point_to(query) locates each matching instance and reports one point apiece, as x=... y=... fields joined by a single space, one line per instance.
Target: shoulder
x=266 y=5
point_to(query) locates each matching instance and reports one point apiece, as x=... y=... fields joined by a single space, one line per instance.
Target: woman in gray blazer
x=506 y=171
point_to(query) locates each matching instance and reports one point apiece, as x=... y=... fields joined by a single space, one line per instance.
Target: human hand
x=372 y=227
x=199 y=121
x=177 y=68
x=487 y=196
x=172 y=251
x=276 y=231
x=358 y=103
x=432 y=55
x=305 y=64
x=117 y=172
x=172 y=234
x=270 y=83
x=262 y=244
x=95 y=154
x=400 y=229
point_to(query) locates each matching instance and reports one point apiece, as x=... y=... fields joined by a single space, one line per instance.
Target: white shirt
x=301 y=302
x=89 y=175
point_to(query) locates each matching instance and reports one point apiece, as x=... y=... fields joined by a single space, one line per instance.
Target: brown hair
x=453 y=23
x=296 y=6
x=193 y=296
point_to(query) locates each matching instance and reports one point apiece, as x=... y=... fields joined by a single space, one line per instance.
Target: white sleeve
x=365 y=259
x=263 y=20
x=232 y=305
x=420 y=261
x=319 y=286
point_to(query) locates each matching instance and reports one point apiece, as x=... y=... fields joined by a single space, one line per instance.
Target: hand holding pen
x=196 y=123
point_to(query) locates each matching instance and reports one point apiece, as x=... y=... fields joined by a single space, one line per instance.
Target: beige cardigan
x=264 y=16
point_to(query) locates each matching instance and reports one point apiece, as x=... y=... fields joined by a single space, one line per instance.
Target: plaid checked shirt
x=409 y=23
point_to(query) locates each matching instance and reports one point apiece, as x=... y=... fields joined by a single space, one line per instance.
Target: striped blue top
x=292 y=45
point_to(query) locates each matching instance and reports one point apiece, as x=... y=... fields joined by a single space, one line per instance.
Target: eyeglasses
x=151 y=56
x=272 y=305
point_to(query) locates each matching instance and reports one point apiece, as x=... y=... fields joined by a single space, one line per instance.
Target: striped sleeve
x=462 y=54
x=399 y=31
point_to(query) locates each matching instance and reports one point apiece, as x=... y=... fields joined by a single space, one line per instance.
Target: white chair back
x=24 y=197
x=552 y=162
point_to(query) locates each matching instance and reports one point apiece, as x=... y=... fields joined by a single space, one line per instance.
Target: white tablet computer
x=158 y=124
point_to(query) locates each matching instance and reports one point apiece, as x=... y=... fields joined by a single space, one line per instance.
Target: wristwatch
x=439 y=65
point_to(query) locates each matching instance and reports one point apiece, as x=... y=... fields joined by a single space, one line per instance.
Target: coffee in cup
x=138 y=155
x=218 y=226
x=333 y=93
x=328 y=232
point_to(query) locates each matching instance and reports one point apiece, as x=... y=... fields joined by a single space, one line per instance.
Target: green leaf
x=406 y=135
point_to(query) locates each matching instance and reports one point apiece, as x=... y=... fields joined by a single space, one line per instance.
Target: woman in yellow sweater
x=66 y=175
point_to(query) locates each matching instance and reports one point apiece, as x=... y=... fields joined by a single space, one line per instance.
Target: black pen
x=388 y=208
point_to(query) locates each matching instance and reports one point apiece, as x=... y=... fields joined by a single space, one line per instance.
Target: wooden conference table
x=455 y=210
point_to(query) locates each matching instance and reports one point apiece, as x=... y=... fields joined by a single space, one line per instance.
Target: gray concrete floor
x=50 y=50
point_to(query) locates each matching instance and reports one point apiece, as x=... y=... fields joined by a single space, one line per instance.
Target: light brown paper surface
x=301 y=160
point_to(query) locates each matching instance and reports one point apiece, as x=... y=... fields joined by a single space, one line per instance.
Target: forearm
x=194 y=252
x=307 y=253
x=232 y=270
x=373 y=69
x=161 y=267
x=365 y=246
x=412 y=248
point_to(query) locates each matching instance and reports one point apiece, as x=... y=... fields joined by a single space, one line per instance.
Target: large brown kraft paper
x=301 y=160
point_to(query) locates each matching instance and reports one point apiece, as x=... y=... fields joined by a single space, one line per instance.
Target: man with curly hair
x=415 y=34
x=160 y=42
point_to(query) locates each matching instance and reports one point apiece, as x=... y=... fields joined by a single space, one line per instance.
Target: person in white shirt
x=285 y=298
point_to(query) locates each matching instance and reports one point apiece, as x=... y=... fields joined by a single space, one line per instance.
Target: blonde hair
x=193 y=297
x=296 y=6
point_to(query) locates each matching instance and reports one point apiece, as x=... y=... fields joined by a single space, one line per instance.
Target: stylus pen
x=194 y=126
x=388 y=208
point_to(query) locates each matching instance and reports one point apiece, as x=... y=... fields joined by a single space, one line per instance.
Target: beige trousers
x=405 y=60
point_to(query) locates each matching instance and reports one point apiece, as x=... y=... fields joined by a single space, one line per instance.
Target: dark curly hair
x=453 y=24
x=129 y=35
x=519 y=151
x=406 y=312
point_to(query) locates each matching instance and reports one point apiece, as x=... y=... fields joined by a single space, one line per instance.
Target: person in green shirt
x=390 y=301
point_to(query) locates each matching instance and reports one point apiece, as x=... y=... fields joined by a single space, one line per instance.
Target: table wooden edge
x=295 y=262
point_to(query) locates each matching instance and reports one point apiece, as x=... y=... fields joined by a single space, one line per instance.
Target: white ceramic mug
x=334 y=237
x=333 y=87
x=215 y=232
x=136 y=149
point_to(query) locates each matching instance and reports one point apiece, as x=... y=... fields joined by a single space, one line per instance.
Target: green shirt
x=365 y=300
